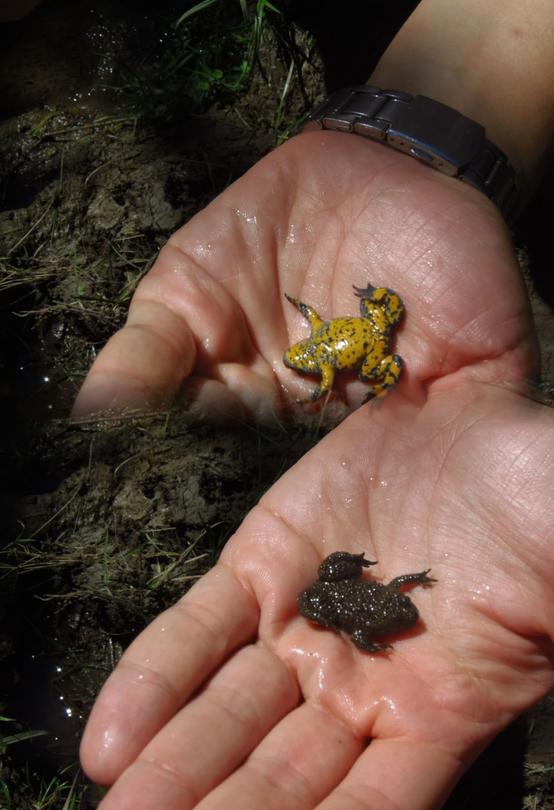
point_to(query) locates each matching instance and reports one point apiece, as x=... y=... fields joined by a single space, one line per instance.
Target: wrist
x=425 y=129
x=492 y=62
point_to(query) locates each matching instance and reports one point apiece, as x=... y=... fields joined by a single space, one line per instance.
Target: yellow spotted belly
x=345 y=342
x=351 y=343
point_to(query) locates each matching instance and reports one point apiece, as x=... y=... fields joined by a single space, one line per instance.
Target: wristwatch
x=427 y=130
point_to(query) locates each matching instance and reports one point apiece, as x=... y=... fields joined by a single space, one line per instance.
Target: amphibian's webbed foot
x=364 y=292
x=420 y=578
x=364 y=642
x=307 y=311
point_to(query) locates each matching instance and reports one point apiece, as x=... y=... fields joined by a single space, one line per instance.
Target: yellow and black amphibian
x=360 y=344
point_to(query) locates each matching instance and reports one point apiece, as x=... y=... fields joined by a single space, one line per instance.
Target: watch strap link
x=427 y=130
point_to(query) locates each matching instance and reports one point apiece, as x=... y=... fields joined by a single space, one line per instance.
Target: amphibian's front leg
x=420 y=578
x=311 y=355
x=381 y=375
x=308 y=312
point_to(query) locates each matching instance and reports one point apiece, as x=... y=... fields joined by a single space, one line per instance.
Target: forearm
x=492 y=61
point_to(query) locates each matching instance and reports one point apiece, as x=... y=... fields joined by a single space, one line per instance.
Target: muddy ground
x=104 y=153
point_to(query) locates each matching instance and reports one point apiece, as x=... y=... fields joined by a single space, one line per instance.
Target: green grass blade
x=194 y=10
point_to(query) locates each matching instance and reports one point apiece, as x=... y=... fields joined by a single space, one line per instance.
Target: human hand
x=444 y=248
x=321 y=213
x=231 y=699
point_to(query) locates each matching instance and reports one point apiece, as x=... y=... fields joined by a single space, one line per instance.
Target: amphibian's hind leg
x=327 y=372
x=381 y=376
x=308 y=312
x=304 y=357
x=406 y=579
x=364 y=642
x=380 y=305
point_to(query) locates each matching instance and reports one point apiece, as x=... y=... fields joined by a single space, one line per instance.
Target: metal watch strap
x=427 y=130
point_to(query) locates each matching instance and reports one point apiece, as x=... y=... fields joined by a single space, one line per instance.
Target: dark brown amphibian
x=340 y=600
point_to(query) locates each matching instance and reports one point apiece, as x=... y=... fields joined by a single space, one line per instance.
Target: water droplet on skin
x=393 y=708
x=201 y=250
x=291 y=236
x=107 y=739
x=249 y=218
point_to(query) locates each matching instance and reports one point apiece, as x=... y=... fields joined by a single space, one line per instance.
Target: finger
x=163 y=666
x=180 y=318
x=296 y=765
x=397 y=775
x=210 y=737
x=142 y=365
x=242 y=393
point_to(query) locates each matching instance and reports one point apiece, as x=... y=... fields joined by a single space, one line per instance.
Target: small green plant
x=260 y=19
x=256 y=21
x=19 y=736
x=62 y=787
x=212 y=53
x=65 y=790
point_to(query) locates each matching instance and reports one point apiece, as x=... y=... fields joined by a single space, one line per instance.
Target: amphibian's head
x=342 y=565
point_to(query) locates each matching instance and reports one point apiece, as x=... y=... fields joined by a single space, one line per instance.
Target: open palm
x=285 y=710
x=230 y=698
x=317 y=216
